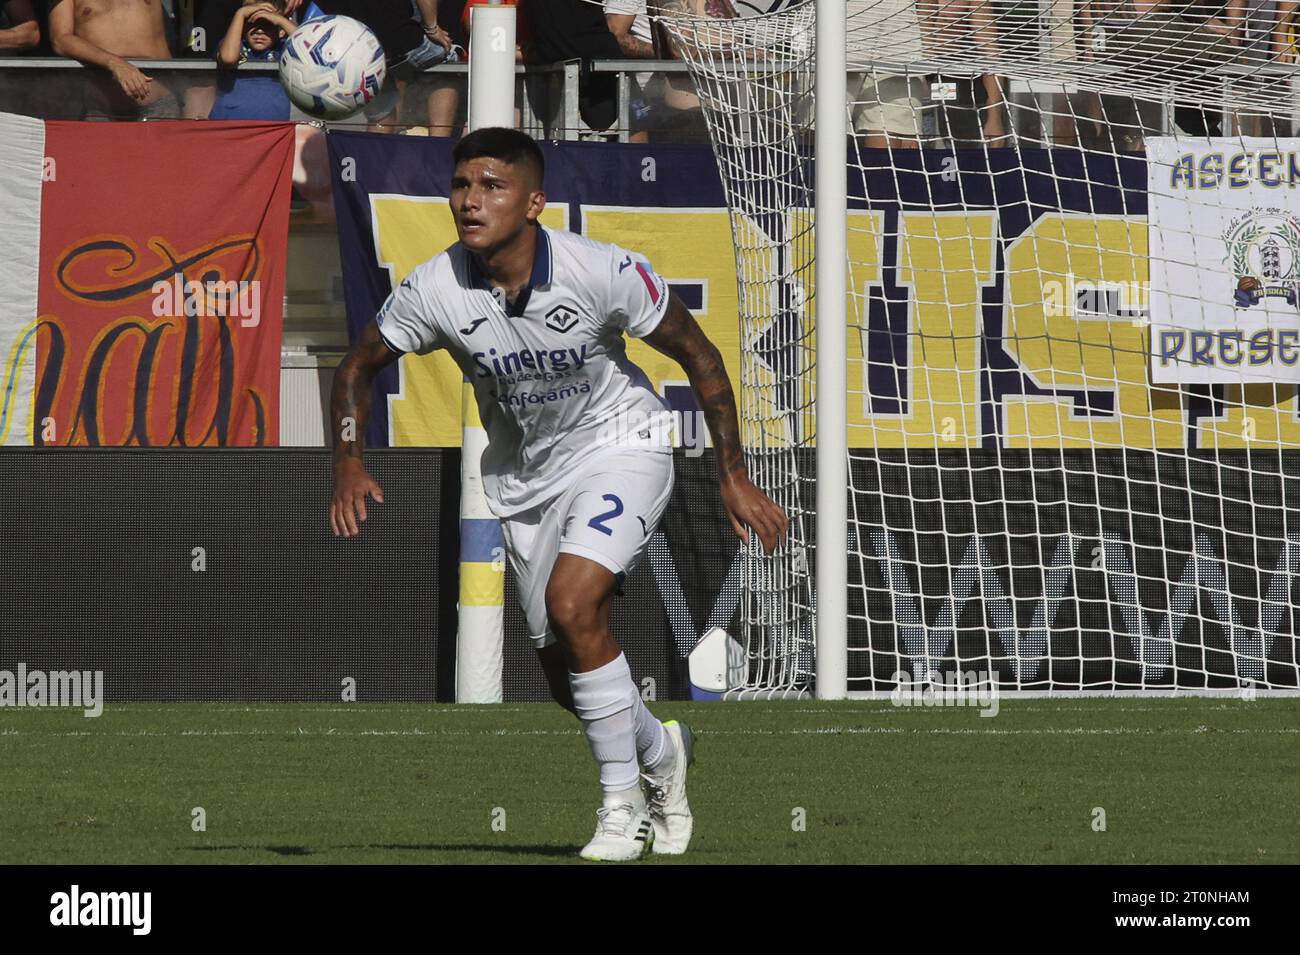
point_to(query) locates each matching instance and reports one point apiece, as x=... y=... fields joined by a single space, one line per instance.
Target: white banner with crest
x=1224 y=218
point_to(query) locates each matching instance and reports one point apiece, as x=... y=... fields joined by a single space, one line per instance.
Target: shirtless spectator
x=104 y=34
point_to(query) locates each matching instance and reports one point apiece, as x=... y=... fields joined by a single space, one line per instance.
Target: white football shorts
x=607 y=514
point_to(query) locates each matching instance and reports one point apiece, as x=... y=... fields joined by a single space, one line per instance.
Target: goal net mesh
x=1074 y=258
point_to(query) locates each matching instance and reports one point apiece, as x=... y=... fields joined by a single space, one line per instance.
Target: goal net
x=1073 y=340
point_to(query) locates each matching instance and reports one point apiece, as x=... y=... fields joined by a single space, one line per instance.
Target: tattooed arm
x=349 y=409
x=680 y=337
x=716 y=9
x=687 y=9
x=620 y=24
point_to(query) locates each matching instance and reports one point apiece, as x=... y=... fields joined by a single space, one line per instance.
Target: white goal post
x=831 y=330
x=1024 y=370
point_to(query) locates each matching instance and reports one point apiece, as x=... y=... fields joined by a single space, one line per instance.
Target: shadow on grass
x=554 y=851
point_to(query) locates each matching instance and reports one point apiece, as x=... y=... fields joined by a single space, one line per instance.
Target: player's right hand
x=352 y=483
x=748 y=507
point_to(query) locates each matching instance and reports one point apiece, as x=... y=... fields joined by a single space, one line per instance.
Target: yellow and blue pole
x=481 y=626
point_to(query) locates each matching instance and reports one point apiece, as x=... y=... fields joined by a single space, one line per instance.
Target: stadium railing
x=548 y=95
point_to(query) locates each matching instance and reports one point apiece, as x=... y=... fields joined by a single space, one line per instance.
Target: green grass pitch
x=1187 y=780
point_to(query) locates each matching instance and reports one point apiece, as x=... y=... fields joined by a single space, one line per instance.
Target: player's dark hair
x=508 y=145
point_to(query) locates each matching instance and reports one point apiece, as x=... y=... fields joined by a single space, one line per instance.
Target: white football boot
x=623 y=833
x=666 y=795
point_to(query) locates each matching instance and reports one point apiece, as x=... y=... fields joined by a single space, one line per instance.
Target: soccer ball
x=332 y=66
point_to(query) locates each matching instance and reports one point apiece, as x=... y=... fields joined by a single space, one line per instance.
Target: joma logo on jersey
x=561 y=318
x=511 y=363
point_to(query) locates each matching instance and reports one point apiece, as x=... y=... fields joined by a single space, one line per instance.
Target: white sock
x=654 y=747
x=605 y=699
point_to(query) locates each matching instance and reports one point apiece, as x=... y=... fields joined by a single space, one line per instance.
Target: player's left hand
x=748 y=507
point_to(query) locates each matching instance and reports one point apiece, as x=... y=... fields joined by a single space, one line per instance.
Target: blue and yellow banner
x=997 y=300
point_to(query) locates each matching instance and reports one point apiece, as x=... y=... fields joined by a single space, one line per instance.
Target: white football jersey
x=551 y=373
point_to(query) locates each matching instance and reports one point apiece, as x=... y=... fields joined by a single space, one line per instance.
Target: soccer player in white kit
x=579 y=462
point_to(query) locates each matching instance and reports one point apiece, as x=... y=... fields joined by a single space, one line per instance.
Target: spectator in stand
x=1285 y=32
x=256 y=35
x=628 y=21
x=968 y=113
x=681 y=120
x=576 y=30
x=885 y=107
x=1286 y=50
x=212 y=20
x=1153 y=43
x=444 y=102
x=19 y=30
x=20 y=34
x=1258 y=29
x=106 y=40
x=446 y=93
x=1251 y=26
x=1200 y=33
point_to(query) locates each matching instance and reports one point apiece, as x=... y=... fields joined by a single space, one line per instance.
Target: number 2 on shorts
x=598 y=522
